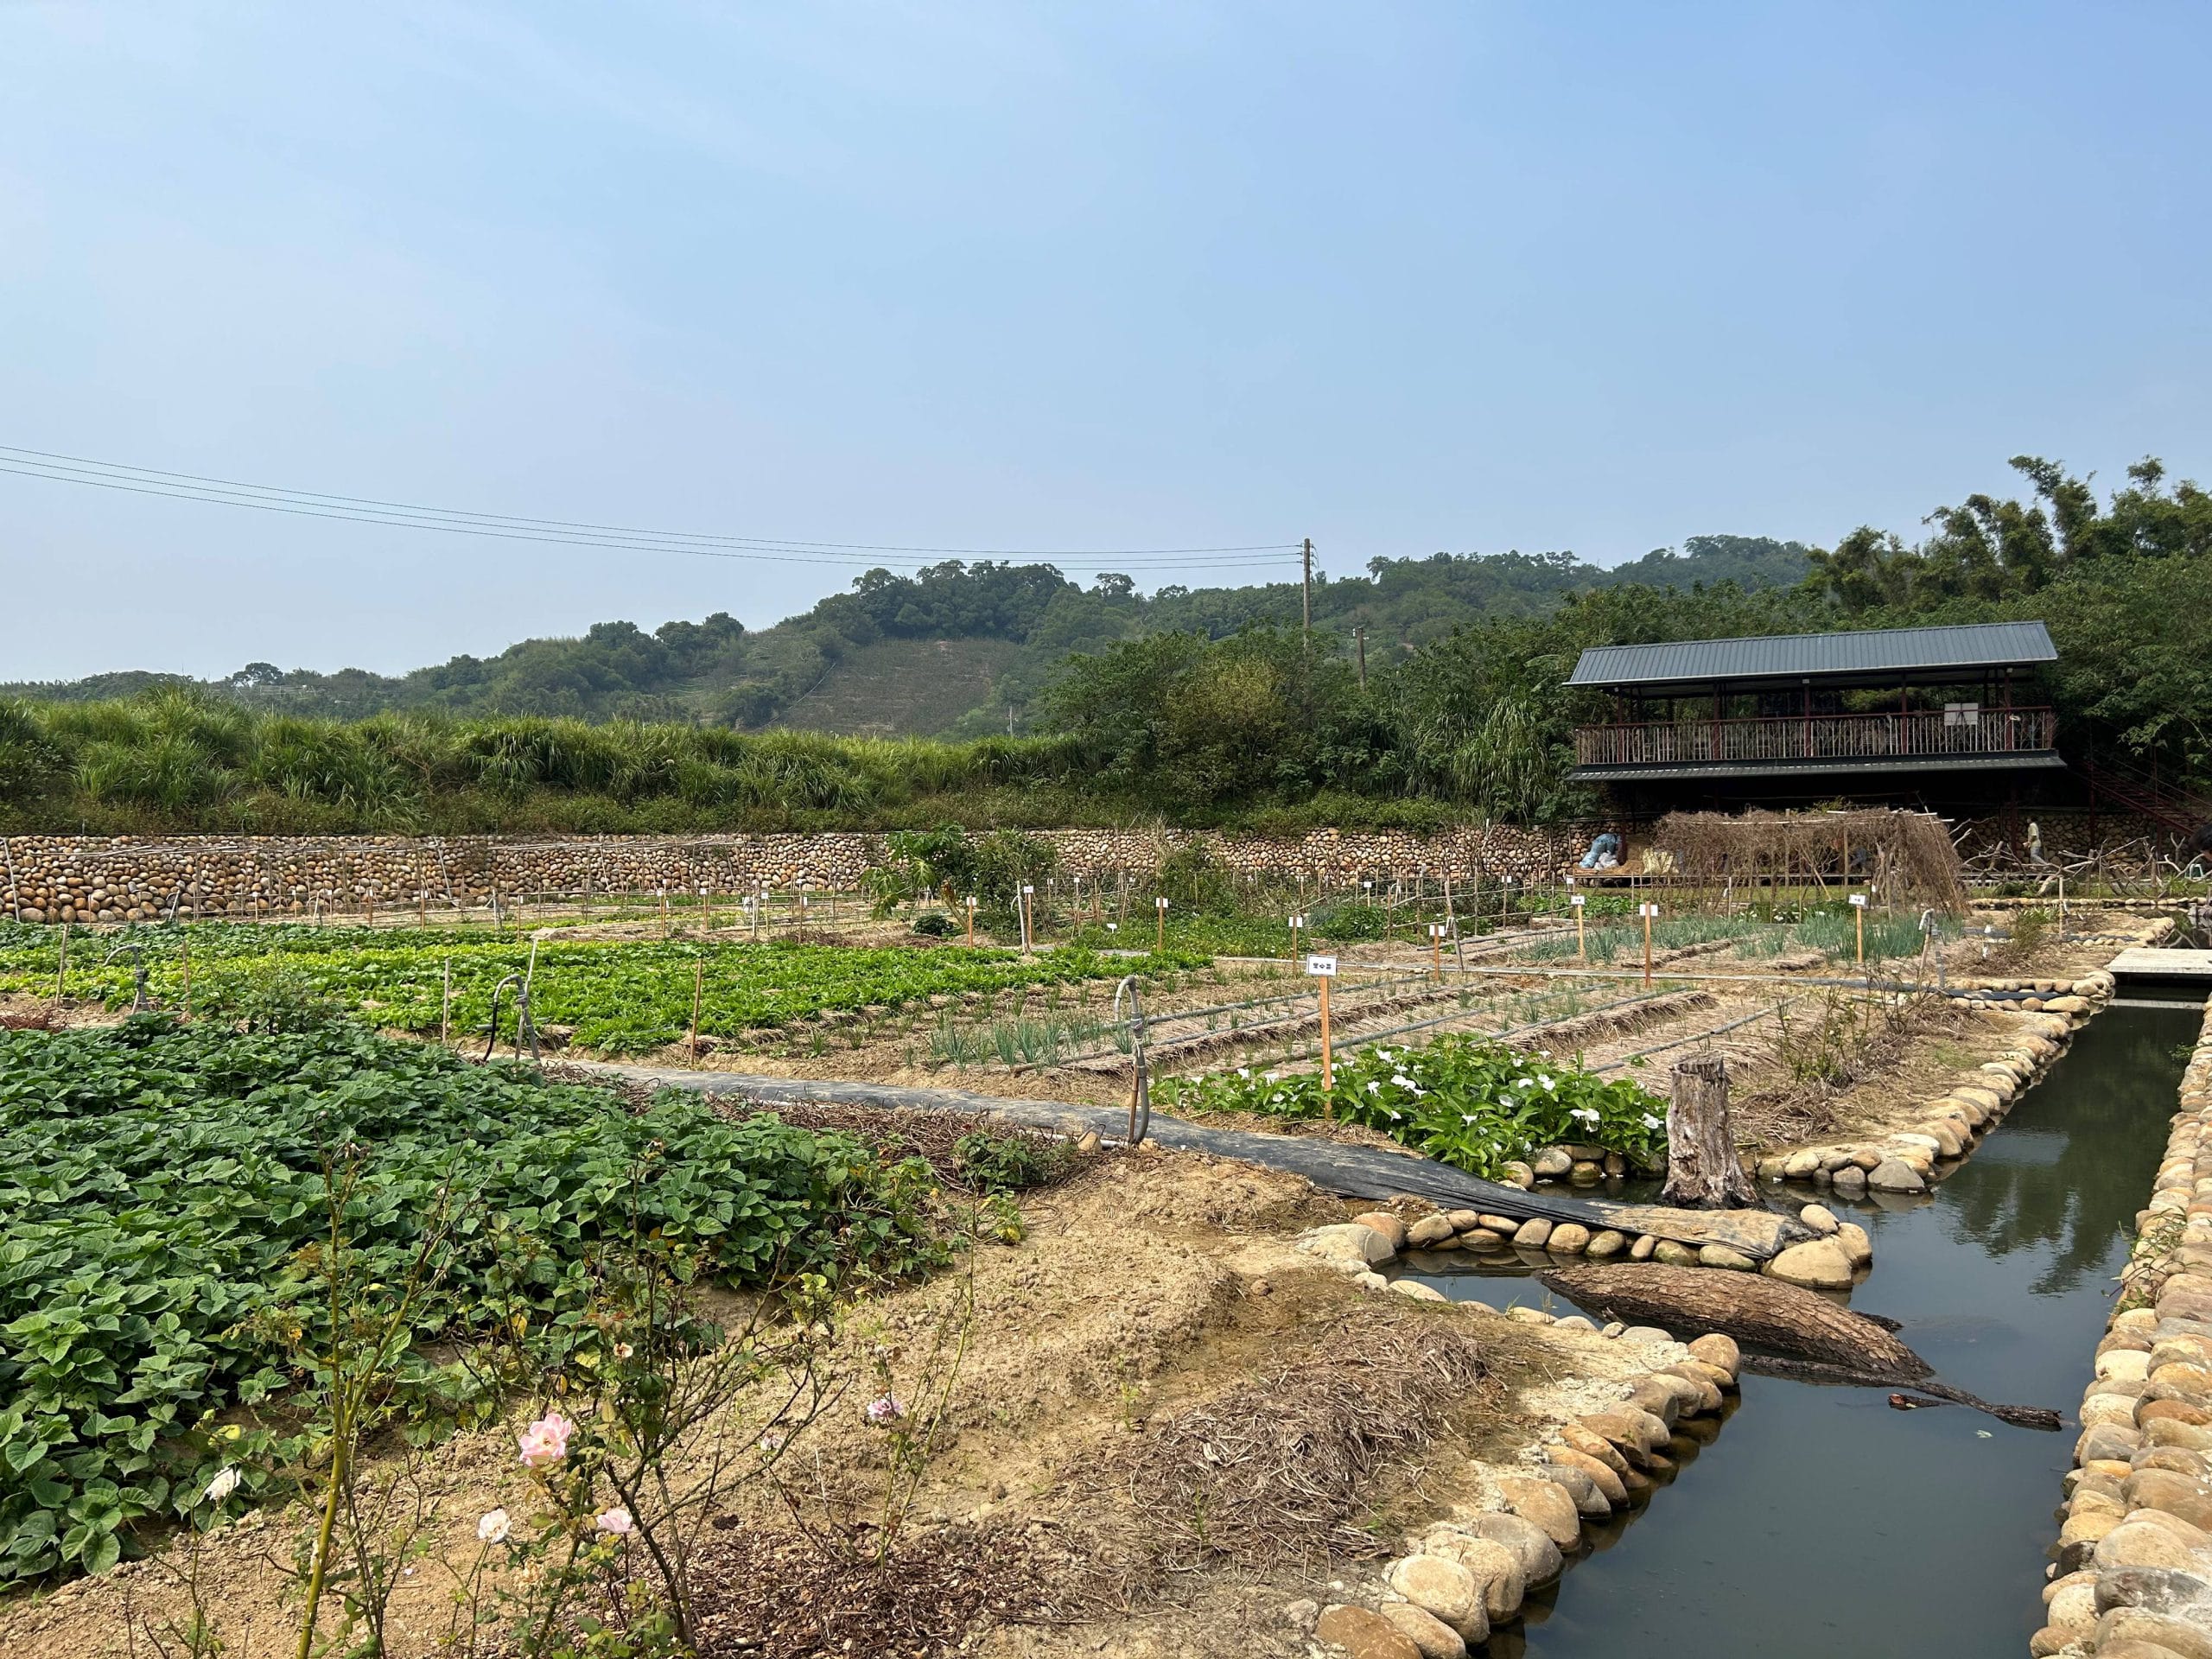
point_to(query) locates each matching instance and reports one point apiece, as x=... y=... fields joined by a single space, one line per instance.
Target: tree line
x=1234 y=720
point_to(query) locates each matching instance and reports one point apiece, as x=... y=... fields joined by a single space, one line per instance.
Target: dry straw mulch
x=1909 y=853
x=1285 y=1466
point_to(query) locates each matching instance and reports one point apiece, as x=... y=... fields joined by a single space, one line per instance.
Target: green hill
x=949 y=650
x=902 y=687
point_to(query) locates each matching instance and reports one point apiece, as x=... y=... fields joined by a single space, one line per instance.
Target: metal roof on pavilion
x=1965 y=651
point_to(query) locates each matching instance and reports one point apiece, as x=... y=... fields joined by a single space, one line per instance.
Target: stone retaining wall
x=92 y=878
x=97 y=878
x=2133 y=1574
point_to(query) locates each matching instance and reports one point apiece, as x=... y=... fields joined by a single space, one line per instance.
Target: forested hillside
x=1205 y=708
x=854 y=663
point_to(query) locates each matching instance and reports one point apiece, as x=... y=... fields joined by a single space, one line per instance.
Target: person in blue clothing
x=1605 y=853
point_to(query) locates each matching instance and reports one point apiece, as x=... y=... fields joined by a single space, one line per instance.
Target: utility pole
x=1309 y=592
x=1359 y=637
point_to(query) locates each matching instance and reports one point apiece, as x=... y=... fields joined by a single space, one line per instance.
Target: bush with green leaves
x=1469 y=1102
x=1010 y=1162
x=164 y=1189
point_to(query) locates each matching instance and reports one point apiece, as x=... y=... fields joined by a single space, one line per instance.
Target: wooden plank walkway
x=2148 y=961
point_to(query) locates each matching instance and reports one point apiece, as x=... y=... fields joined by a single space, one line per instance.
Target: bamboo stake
x=698 y=983
x=1328 y=1064
x=445 y=1006
x=62 y=974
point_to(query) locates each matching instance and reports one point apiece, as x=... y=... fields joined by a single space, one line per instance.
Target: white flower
x=1401 y=1080
x=1243 y=1070
x=1550 y=1083
x=492 y=1527
x=1374 y=1088
x=225 y=1482
x=1650 y=1121
x=616 y=1521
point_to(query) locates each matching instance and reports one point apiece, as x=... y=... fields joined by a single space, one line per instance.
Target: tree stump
x=1703 y=1171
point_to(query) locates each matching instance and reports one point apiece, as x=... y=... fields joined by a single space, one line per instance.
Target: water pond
x=1822 y=1524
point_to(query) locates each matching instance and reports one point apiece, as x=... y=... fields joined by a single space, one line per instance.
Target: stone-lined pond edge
x=2133 y=1574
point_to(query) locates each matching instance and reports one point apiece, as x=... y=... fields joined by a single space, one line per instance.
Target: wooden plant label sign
x=1321 y=967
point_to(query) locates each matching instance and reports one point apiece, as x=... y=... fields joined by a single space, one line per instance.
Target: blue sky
x=1402 y=277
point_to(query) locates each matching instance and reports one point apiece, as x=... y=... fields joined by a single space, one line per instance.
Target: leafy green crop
x=1466 y=1101
x=162 y=1188
x=622 y=996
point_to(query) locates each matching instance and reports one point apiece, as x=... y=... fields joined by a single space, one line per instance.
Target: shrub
x=1010 y=1163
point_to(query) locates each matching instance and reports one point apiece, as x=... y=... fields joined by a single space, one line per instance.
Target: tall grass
x=177 y=760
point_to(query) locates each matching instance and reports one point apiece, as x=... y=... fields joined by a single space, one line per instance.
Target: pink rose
x=546 y=1440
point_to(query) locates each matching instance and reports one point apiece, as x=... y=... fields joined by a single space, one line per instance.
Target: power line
x=232 y=493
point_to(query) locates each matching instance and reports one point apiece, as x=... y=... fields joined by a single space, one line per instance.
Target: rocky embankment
x=1908 y=1159
x=2133 y=1574
x=1526 y=1522
x=129 y=878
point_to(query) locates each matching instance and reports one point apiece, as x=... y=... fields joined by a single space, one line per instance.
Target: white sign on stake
x=1162 y=903
x=1647 y=910
x=1859 y=899
x=1321 y=967
x=1576 y=901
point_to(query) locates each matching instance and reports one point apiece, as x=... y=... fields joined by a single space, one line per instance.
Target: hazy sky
x=1402 y=277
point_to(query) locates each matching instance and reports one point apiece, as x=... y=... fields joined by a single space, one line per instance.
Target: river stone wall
x=109 y=879
x=2133 y=1573
x=128 y=877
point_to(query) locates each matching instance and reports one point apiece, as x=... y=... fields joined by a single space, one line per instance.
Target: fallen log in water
x=1854 y=1376
x=1837 y=1345
x=1748 y=1306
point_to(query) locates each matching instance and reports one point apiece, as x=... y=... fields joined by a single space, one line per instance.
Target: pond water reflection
x=1822 y=1524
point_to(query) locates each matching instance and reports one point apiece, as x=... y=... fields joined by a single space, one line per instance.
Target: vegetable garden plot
x=1469 y=1102
x=620 y=996
x=163 y=1193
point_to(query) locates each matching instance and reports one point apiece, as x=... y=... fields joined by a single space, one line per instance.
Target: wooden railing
x=1816 y=737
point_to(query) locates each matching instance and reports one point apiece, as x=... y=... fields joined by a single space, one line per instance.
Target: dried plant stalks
x=1278 y=1468
x=1910 y=855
